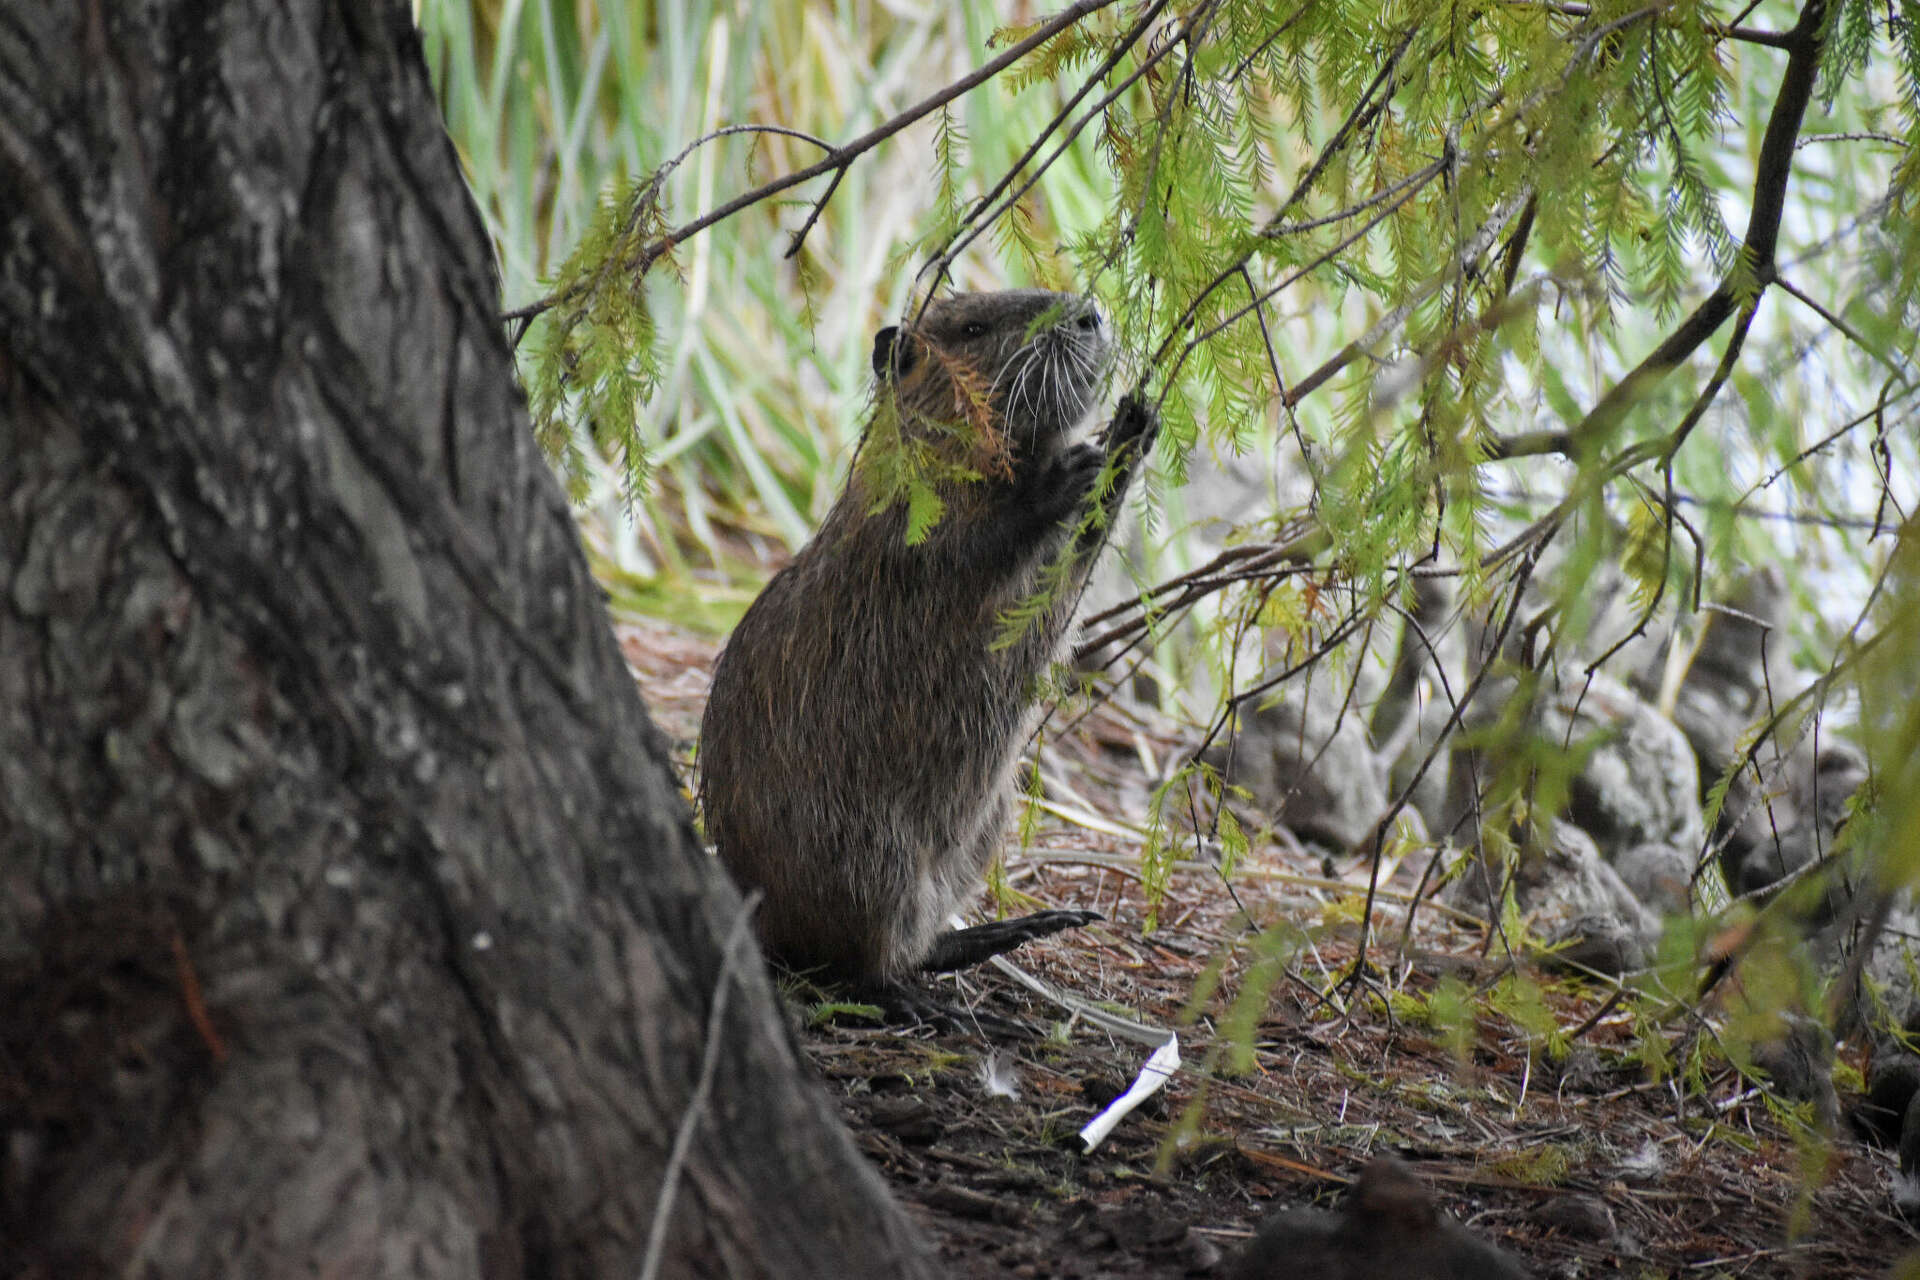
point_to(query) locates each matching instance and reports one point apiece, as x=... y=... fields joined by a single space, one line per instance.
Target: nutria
x=858 y=744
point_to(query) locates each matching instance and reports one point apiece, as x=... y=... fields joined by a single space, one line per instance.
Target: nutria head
x=1020 y=368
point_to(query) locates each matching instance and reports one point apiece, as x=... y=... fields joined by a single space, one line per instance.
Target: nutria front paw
x=1072 y=477
x=1134 y=420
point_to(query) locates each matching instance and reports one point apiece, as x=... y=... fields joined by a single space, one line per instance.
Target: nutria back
x=866 y=714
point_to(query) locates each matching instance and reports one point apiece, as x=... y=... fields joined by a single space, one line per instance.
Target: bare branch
x=1887 y=138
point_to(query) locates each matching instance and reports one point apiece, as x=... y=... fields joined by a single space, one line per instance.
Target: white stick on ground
x=1160 y=1064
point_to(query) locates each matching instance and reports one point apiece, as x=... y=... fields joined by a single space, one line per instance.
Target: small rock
x=1799 y=1062
x=1389 y=1229
x=1581 y=1071
x=1603 y=944
x=1645 y=1165
x=1660 y=875
x=1640 y=783
x=1893 y=1078
x=1308 y=766
x=908 y=1119
x=1797 y=817
x=1588 y=1217
x=1906 y=1184
x=1571 y=893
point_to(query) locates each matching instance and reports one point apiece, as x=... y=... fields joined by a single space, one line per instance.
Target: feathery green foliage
x=593 y=358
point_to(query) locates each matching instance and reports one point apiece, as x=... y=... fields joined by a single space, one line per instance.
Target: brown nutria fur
x=858 y=744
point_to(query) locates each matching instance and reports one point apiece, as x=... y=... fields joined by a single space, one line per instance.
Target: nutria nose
x=1089 y=320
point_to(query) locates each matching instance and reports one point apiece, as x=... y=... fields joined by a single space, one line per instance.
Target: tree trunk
x=351 y=922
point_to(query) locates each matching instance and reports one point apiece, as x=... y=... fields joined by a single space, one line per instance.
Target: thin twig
x=1726 y=31
x=838 y=159
x=977 y=217
x=702 y=1089
x=1459 y=709
x=941 y=262
x=1853 y=334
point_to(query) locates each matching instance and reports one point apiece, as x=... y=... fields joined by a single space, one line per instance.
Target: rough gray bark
x=350 y=918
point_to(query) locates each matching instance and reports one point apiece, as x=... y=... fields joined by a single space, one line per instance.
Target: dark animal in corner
x=1389 y=1229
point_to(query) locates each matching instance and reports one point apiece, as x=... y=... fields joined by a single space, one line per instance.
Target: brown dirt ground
x=1583 y=1167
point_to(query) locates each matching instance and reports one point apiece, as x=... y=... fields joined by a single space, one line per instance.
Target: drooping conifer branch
x=1753 y=269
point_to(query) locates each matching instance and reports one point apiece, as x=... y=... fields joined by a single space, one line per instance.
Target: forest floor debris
x=1583 y=1165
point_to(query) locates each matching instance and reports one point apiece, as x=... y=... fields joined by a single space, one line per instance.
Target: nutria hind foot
x=964 y=948
x=903 y=1004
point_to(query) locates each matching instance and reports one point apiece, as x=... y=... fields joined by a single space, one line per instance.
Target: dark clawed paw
x=1133 y=420
x=1075 y=472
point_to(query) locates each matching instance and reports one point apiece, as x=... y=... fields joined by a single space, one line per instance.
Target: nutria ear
x=890 y=354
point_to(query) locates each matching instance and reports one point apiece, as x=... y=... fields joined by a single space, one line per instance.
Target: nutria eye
x=973 y=329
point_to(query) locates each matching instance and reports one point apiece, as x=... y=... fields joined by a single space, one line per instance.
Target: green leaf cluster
x=594 y=361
